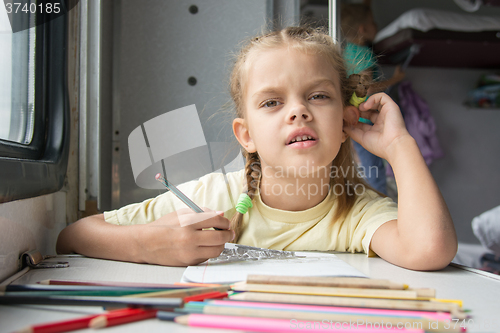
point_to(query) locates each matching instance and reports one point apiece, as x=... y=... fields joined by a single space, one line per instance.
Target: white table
x=479 y=291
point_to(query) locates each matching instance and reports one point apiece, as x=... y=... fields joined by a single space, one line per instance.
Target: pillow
x=486 y=227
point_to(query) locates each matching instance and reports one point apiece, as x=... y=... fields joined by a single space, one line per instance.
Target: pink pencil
x=318 y=308
x=277 y=325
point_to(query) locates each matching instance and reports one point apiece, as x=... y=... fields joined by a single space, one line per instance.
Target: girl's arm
x=423 y=237
x=176 y=239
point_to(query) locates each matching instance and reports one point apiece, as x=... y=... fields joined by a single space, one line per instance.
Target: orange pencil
x=132 y=315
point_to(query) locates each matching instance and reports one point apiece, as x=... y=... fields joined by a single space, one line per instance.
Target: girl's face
x=293 y=111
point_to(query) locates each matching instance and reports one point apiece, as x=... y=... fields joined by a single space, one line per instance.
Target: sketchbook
x=237 y=262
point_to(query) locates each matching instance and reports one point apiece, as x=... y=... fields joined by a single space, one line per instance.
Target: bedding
x=446 y=39
x=424 y=19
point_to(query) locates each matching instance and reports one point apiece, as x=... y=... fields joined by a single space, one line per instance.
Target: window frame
x=40 y=167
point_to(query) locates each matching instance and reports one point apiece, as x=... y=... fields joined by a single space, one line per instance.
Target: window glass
x=17 y=80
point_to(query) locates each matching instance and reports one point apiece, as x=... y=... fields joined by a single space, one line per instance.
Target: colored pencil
x=169 y=316
x=424 y=322
x=119 y=284
x=270 y=324
x=339 y=282
x=183 y=292
x=105 y=293
x=180 y=195
x=328 y=291
x=453 y=308
x=133 y=315
x=74 y=288
x=321 y=308
x=67 y=325
x=117 y=302
x=201 y=297
x=196 y=284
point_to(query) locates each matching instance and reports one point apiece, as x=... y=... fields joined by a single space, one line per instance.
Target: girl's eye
x=319 y=96
x=270 y=104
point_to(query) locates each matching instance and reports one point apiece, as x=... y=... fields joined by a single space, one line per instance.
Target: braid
x=253 y=174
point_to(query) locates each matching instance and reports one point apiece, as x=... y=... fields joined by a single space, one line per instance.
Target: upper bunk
x=441 y=39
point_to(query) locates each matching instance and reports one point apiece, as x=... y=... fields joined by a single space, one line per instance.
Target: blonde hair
x=308 y=40
x=352 y=16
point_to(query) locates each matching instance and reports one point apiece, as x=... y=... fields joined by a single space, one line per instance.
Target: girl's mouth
x=302 y=141
x=303 y=137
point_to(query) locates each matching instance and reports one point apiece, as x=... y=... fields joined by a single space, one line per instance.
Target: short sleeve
x=369 y=212
x=213 y=191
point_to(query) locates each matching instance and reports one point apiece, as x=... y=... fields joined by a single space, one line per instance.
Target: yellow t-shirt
x=311 y=229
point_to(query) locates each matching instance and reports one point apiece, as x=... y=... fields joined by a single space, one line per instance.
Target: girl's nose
x=299 y=112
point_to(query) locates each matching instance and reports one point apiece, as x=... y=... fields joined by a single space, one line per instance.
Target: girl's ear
x=242 y=134
x=351 y=115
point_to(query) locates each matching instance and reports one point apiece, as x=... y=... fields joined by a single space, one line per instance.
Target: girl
x=299 y=184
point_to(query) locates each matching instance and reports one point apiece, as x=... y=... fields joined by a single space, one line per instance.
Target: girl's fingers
x=203 y=220
x=206 y=252
x=374 y=116
x=375 y=102
x=370 y=115
x=213 y=237
x=357 y=131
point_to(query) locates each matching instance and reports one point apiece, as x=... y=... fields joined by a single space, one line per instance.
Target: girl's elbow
x=62 y=245
x=434 y=258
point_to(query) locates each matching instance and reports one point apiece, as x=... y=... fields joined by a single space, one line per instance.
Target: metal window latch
x=34 y=259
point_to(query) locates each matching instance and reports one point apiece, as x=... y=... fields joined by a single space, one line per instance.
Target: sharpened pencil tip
x=98 y=322
x=26 y=330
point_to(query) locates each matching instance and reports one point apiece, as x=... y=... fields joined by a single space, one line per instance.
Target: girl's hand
x=178 y=238
x=387 y=129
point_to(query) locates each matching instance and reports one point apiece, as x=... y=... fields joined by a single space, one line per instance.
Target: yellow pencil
x=326 y=281
x=331 y=291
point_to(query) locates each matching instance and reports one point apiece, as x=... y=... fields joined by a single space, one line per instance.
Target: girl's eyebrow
x=266 y=91
x=322 y=81
x=313 y=84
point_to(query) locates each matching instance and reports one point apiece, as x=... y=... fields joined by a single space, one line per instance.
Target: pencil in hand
x=180 y=195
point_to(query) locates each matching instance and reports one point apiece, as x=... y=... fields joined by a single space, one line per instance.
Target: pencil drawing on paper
x=245 y=253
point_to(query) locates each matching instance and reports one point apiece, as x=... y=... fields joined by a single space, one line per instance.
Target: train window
x=34 y=112
x=17 y=83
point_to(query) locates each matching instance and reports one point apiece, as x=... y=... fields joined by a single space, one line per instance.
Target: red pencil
x=133 y=315
x=67 y=325
x=201 y=297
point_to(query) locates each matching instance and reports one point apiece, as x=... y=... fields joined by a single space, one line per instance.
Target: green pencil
x=154 y=303
x=107 y=293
